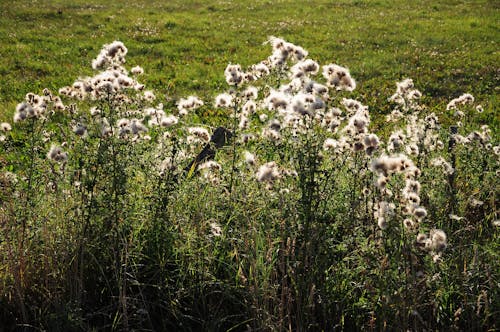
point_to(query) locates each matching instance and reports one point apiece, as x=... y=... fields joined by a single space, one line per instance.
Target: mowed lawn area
x=447 y=47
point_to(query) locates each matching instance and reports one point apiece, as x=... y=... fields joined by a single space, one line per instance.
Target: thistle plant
x=301 y=215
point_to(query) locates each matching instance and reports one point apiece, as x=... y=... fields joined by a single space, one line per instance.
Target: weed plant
x=303 y=218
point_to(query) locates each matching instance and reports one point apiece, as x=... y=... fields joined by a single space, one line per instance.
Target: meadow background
x=446 y=47
x=226 y=252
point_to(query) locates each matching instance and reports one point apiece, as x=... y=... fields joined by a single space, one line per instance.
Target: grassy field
x=447 y=47
x=315 y=208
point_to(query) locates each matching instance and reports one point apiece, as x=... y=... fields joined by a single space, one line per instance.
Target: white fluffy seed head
x=268 y=172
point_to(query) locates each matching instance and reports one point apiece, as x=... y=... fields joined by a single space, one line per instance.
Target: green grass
x=447 y=47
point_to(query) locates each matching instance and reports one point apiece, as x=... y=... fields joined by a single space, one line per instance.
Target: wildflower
x=154 y=112
x=439 y=145
x=95 y=111
x=263 y=117
x=136 y=126
x=338 y=77
x=260 y=69
x=210 y=165
x=245 y=138
x=383 y=210
x=249 y=77
x=223 y=100
x=249 y=107
x=271 y=134
x=137 y=70
x=215 y=229
x=371 y=143
x=436 y=257
x=79 y=129
x=414 y=94
x=167 y=164
x=440 y=161
x=5 y=127
x=318 y=104
x=330 y=144
x=381 y=182
x=479 y=109
x=283 y=50
x=268 y=172
x=110 y=55
x=299 y=103
x=422 y=240
x=496 y=150
x=58 y=104
x=411 y=186
x=316 y=88
x=420 y=213
x=358 y=124
x=293 y=86
x=249 y=158
x=149 y=96
x=412 y=149
x=199 y=132
x=371 y=140
x=277 y=100
x=412 y=198
x=464 y=99
x=331 y=121
x=382 y=223
x=243 y=122
x=396 y=140
x=438 y=240
x=251 y=92
x=404 y=86
x=65 y=91
x=276 y=42
x=476 y=136
x=190 y=103
x=23 y=112
x=299 y=53
x=105 y=127
x=303 y=68
x=168 y=121
x=410 y=224
x=234 y=75
x=387 y=165
x=432 y=121
x=57 y=154
x=122 y=123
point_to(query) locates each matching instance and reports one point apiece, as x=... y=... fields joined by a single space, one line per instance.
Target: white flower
x=57 y=154
x=199 y=132
x=137 y=70
x=5 y=127
x=223 y=100
x=168 y=121
x=268 y=172
x=249 y=158
x=338 y=77
x=149 y=96
x=234 y=75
